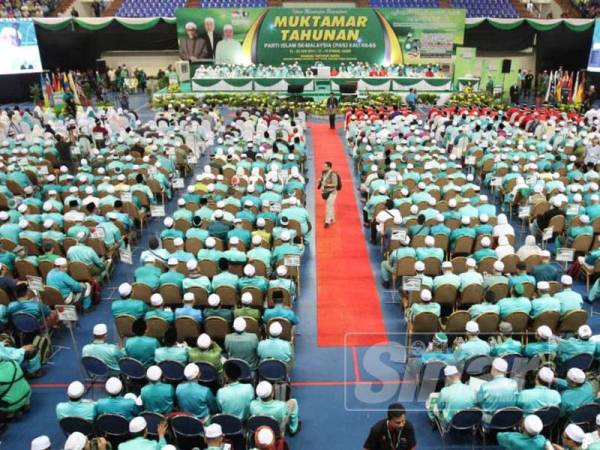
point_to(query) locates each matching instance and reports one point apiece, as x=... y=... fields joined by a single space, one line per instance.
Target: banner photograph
x=311 y=35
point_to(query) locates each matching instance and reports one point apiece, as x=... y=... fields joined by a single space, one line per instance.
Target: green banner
x=328 y=35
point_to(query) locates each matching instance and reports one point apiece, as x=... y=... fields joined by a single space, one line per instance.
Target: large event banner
x=327 y=35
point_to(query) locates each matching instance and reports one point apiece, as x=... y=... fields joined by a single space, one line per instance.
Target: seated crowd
x=443 y=199
x=207 y=325
x=66 y=210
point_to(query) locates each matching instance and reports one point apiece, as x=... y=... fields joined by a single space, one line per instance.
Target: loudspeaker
x=295 y=89
x=101 y=65
x=506 y=65
x=349 y=87
x=183 y=70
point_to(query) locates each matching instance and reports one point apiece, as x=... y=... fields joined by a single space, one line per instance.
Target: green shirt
x=242 y=346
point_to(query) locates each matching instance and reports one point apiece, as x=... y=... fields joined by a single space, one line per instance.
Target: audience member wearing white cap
x=41 y=443
x=574 y=391
x=266 y=404
x=157 y=309
x=213 y=435
x=194 y=398
x=529 y=437
x=592 y=437
x=544 y=302
x=388 y=265
x=77 y=406
x=574 y=345
x=568 y=298
x=242 y=344
x=470 y=276
x=157 y=396
x=541 y=395
x=573 y=437
x=127 y=306
x=207 y=350
x=116 y=403
x=138 y=430
x=500 y=392
x=246 y=309
x=453 y=398
x=109 y=354
x=215 y=309
x=425 y=304
x=473 y=346
x=544 y=343
x=188 y=310
x=274 y=347
x=71 y=290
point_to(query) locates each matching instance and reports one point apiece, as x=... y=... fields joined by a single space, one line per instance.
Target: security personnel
x=453 y=398
x=282 y=411
x=540 y=396
x=110 y=354
x=148 y=274
x=506 y=345
x=207 y=351
x=498 y=393
x=140 y=346
x=567 y=348
x=528 y=439
x=115 y=403
x=127 y=305
x=76 y=406
x=515 y=303
x=568 y=298
x=235 y=397
x=195 y=398
x=474 y=346
x=157 y=396
x=274 y=347
x=425 y=305
x=545 y=302
x=544 y=344
x=241 y=344
x=138 y=430
x=246 y=310
x=188 y=310
x=171 y=351
x=156 y=301
x=574 y=392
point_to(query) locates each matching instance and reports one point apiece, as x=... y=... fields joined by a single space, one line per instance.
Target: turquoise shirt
x=196 y=399
x=454 y=398
x=125 y=407
x=514 y=304
x=572 y=398
x=472 y=347
x=158 y=397
x=530 y=400
x=85 y=409
x=567 y=348
x=142 y=348
x=110 y=354
x=501 y=392
x=544 y=303
x=129 y=307
x=569 y=300
x=481 y=308
x=280 y=311
x=178 y=354
x=235 y=399
x=535 y=348
x=512 y=440
x=507 y=347
x=63 y=282
x=275 y=348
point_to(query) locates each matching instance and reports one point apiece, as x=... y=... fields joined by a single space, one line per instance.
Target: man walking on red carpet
x=329 y=184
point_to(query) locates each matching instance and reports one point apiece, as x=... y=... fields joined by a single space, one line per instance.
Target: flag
x=570 y=87
x=558 y=88
x=580 y=94
x=44 y=91
x=73 y=87
x=549 y=89
x=576 y=87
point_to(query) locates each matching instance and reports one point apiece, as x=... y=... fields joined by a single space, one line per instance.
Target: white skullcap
x=486 y=242
x=447 y=265
x=189 y=297
x=210 y=242
x=191 y=371
x=76 y=389
x=419 y=266
x=168 y=222
x=203 y=341
x=181 y=201
x=219 y=214
x=275 y=329
x=191 y=26
x=256 y=240
x=214 y=300
x=264 y=389
x=546 y=375
x=543 y=286
x=484 y=218
x=100 y=329
x=471 y=262
x=192 y=264
x=450 y=370
x=584 y=332
x=576 y=375
x=137 y=425
x=213 y=431
x=234 y=240
x=429 y=241
x=113 y=386
x=265 y=436
x=178 y=242
x=426 y=295
x=472 y=327
x=545 y=254
x=584 y=219
x=76 y=441
x=500 y=365
x=239 y=324
x=48 y=223
x=23 y=223
x=566 y=280
x=154 y=373
x=544 y=331
x=41 y=443
x=156 y=300
x=249 y=270
x=281 y=271
x=172 y=261
x=499 y=266
x=246 y=298
x=260 y=222
x=285 y=235
x=3 y=215
x=60 y=262
x=465 y=220
x=533 y=424
x=575 y=433
x=125 y=289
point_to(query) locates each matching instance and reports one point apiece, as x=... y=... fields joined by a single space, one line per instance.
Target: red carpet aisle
x=347 y=300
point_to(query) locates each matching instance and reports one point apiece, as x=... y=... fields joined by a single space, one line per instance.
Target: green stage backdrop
x=335 y=35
